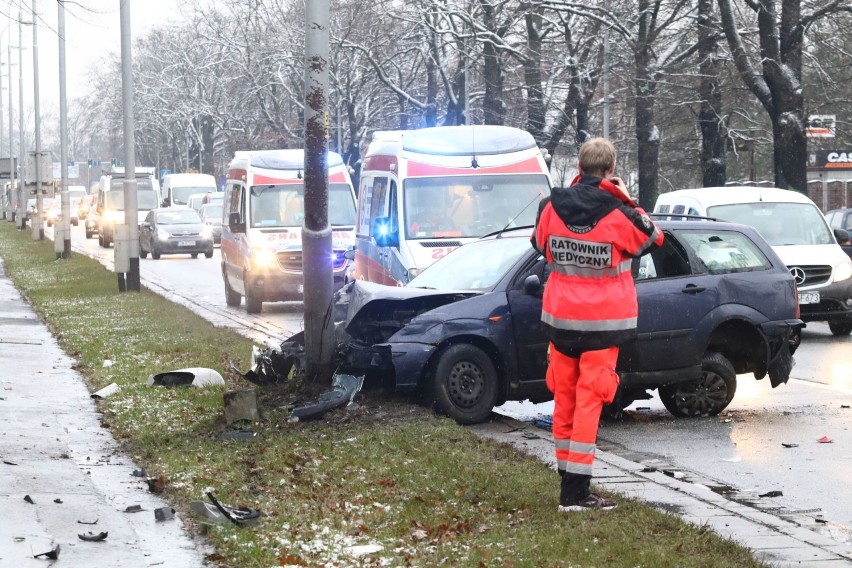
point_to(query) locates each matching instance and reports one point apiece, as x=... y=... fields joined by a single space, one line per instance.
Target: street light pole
x=22 y=191
x=12 y=157
x=38 y=227
x=63 y=141
x=131 y=208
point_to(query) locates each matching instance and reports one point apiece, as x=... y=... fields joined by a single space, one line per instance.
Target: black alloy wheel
x=706 y=396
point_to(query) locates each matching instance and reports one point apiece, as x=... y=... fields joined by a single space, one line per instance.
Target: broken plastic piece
x=57 y=500
x=237 y=515
x=29 y=499
x=133 y=508
x=343 y=390
x=107 y=363
x=194 y=376
x=648 y=469
x=139 y=472
x=825 y=440
x=9 y=463
x=51 y=554
x=164 y=513
x=844 y=406
x=238 y=435
x=92 y=537
x=789 y=445
x=820 y=520
x=775 y=493
x=88 y=522
x=208 y=511
x=111 y=388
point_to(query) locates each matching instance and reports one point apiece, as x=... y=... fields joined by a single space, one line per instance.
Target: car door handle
x=693 y=289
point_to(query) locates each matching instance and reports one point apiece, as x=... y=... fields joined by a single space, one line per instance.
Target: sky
x=92 y=30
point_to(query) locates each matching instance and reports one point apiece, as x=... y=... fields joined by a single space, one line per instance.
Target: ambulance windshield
x=470 y=206
x=284 y=205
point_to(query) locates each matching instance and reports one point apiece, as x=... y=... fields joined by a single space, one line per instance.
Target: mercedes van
x=177 y=188
x=110 y=206
x=798 y=232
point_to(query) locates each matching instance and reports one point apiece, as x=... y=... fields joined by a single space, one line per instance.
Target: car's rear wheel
x=193 y=254
x=844 y=328
x=155 y=254
x=706 y=396
x=464 y=384
x=208 y=254
x=89 y=233
x=254 y=305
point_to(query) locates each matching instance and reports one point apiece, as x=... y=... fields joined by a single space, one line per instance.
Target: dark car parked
x=841 y=219
x=715 y=301
x=174 y=231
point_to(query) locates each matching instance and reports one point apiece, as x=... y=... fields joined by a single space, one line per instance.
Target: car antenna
x=512 y=220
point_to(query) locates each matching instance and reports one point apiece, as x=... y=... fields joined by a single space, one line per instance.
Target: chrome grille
x=810 y=275
x=291 y=261
x=438 y=244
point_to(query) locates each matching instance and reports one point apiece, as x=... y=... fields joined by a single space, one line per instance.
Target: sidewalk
x=772 y=539
x=53 y=449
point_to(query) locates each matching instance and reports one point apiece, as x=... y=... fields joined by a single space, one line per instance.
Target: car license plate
x=301 y=288
x=186 y=243
x=809 y=297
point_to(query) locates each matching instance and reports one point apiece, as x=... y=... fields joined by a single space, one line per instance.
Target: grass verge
x=416 y=488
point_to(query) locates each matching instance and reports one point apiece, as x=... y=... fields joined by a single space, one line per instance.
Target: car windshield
x=284 y=205
x=180 y=195
x=475 y=266
x=146 y=199
x=471 y=206
x=178 y=217
x=781 y=224
x=211 y=212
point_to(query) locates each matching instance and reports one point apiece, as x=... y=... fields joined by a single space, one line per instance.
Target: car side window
x=723 y=252
x=668 y=261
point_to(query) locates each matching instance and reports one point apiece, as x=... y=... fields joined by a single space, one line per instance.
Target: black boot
x=573 y=488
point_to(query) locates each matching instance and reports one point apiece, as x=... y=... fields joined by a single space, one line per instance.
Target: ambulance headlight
x=263 y=258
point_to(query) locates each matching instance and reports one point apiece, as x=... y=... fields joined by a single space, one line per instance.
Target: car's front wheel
x=232 y=298
x=706 y=396
x=254 y=305
x=208 y=254
x=844 y=328
x=464 y=384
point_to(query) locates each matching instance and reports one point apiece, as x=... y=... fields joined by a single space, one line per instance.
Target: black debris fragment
x=164 y=514
x=133 y=508
x=775 y=493
x=9 y=463
x=57 y=500
x=844 y=406
x=649 y=469
x=238 y=515
x=343 y=390
x=156 y=484
x=789 y=445
x=29 y=499
x=88 y=522
x=92 y=537
x=820 y=520
x=139 y=472
x=50 y=554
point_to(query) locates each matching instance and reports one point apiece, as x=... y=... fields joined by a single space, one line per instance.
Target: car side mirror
x=236 y=224
x=842 y=235
x=532 y=285
x=385 y=234
x=145 y=224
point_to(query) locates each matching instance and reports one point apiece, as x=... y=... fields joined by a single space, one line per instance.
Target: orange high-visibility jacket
x=589 y=234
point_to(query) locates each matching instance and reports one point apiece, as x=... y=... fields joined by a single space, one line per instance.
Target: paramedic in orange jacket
x=589 y=233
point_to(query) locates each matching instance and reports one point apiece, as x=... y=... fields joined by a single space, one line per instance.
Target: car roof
x=710 y=196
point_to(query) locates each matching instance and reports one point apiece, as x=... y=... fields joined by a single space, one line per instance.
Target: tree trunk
x=207 y=133
x=532 y=76
x=647 y=134
x=710 y=114
x=493 y=107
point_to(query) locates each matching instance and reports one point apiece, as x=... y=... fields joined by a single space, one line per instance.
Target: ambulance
x=426 y=192
x=262 y=219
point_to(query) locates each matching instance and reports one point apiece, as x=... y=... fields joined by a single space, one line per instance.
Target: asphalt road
x=741 y=452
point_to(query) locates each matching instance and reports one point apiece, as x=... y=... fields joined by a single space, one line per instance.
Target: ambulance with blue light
x=426 y=192
x=262 y=220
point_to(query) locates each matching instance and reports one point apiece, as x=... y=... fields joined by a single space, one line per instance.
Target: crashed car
x=715 y=301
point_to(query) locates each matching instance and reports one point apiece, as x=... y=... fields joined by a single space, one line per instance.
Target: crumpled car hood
x=372 y=312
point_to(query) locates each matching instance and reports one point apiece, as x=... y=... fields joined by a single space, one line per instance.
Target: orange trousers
x=580 y=388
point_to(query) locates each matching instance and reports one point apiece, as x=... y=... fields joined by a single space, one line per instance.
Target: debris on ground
x=164 y=514
x=9 y=463
x=789 y=445
x=88 y=522
x=775 y=493
x=132 y=509
x=107 y=363
x=825 y=440
x=238 y=515
x=208 y=512
x=92 y=537
x=240 y=404
x=111 y=388
x=141 y=472
x=52 y=554
x=193 y=376
x=343 y=390
x=156 y=484
x=29 y=499
x=57 y=500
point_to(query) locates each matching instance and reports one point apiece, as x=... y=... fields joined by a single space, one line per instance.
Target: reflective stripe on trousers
x=580 y=389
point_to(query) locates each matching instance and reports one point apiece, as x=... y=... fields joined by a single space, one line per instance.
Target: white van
x=426 y=192
x=262 y=219
x=110 y=207
x=177 y=188
x=797 y=231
